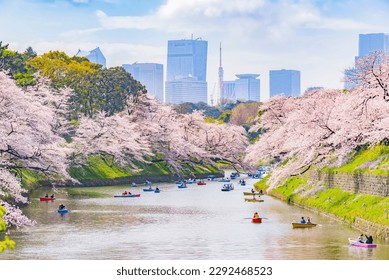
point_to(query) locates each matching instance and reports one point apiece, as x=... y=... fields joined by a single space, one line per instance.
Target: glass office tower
x=285 y=82
x=150 y=75
x=186 y=71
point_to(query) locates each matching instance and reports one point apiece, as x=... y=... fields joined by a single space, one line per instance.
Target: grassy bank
x=98 y=167
x=345 y=206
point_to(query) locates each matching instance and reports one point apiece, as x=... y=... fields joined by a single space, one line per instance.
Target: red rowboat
x=256 y=220
x=47 y=198
x=201 y=183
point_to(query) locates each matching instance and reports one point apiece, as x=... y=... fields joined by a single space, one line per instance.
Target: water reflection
x=193 y=223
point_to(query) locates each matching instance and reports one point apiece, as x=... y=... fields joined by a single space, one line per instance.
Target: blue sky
x=317 y=37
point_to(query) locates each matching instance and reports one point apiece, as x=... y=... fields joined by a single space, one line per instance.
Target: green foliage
x=225 y=117
x=208 y=111
x=262 y=184
x=6 y=243
x=16 y=64
x=102 y=167
x=96 y=89
x=291 y=187
x=98 y=167
x=373 y=160
x=209 y=120
x=344 y=205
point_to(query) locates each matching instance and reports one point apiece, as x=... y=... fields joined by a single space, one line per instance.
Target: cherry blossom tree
x=319 y=127
x=30 y=137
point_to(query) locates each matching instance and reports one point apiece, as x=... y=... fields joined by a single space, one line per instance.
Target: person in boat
x=309 y=220
x=133 y=184
x=46 y=195
x=124 y=193
x=256 y=216
x=302 y=220
x=157 y=189
x=52 y=196
x=360 y=239
x=261 y=192
x=129 y=193
x=61 y=206
x=369 y=239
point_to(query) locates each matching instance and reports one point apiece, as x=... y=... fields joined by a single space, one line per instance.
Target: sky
x=317 y=37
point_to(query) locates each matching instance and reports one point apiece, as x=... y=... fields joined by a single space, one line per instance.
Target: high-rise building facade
x=150 y=75
x=245 y=88
x=95 y=56
x=369 y=43
x=285 y=82
x=186 y=71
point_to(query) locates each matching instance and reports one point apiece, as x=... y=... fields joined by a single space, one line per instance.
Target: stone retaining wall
x=356 y=182
x=367 y=227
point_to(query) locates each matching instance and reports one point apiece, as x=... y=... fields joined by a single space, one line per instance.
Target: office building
x=95 y=56
x=228 y=94
x=150 y=75
x=285 y=82
x=186 y=90
x=369 y=43
x=245 y=88
x=186 y=71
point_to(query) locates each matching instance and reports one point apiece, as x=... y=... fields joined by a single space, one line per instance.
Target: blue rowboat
x=227 y=187
x=148 y=190
x=63 y=211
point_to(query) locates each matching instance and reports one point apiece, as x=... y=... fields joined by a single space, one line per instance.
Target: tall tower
x=220 y=97
x=186 y=71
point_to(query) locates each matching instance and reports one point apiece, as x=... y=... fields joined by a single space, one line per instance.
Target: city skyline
x=318 y=37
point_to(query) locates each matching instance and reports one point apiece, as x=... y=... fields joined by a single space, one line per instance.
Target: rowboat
x=242 y=184
x=182 y=186
x=201 y=183
x=250 y=193
x=149 y=190
x=127 y=195
x=157 y=191
x=227 y=187
x=47 y=198
x=300 y=225
x=256 y=220
x=354 y=242
x=253 y=200
x=63 y=211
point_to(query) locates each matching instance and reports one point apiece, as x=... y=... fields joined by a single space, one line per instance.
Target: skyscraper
x=150 y=75
x=285 y=82
x=95 y=56
x=369 y=43
x=245 y=88
x=186 y=71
